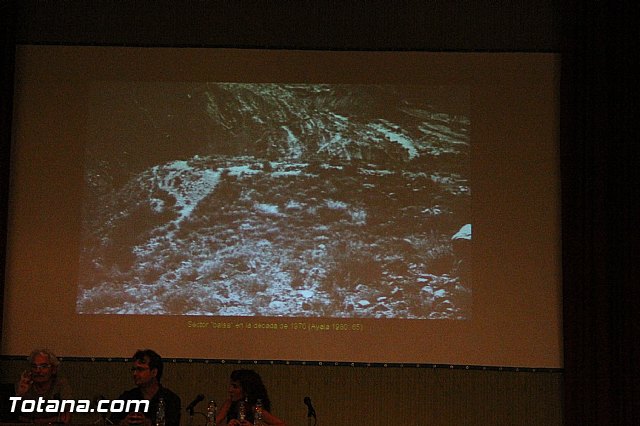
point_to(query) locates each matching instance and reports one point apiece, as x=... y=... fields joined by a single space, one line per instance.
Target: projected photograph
x=278 y=200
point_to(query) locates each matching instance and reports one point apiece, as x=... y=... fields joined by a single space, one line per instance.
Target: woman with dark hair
x=248 y=402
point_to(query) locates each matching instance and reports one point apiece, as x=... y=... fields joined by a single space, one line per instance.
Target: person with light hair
x=42 y=380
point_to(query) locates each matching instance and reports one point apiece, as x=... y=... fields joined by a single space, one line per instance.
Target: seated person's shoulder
x=167 y=393
x=131 y=394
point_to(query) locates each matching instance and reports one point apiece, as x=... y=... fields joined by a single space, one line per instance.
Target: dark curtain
x=599 y=156
x=7 y=60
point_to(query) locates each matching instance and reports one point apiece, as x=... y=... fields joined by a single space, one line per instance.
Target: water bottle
x=257 y=419
x=160 y=419
x=242 y=414
x=211 y=413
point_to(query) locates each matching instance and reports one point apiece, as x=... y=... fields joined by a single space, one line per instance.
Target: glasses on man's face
x=38 y=367
x=138 y=369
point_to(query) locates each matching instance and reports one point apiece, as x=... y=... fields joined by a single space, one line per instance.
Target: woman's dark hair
x=252 y=387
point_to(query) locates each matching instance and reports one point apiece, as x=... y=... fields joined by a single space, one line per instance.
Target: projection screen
x=397 y=207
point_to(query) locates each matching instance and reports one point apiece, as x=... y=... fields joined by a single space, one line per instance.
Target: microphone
x=310 y=411
x=193 y=403
x=95 y=404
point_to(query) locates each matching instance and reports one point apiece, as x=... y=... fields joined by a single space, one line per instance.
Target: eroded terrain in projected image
x=345 y=201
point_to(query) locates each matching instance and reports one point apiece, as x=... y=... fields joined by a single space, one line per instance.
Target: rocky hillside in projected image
x=281 y=200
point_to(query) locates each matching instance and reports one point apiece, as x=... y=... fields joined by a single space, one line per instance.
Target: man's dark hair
x=151 y=358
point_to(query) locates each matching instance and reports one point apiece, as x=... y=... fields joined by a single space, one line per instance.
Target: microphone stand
x=103 y=419
x=191 y=415
x=310 y=412
x=315 y=420
x=191 y=407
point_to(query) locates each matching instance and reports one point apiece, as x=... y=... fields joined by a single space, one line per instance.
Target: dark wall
x=600 y=206
x=300 y=24
x=598 y=135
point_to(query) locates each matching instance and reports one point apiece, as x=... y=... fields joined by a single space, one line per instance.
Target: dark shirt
x=172 y=406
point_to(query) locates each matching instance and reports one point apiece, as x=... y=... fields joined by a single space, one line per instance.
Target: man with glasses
x=147 y=370
x=41 y=380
